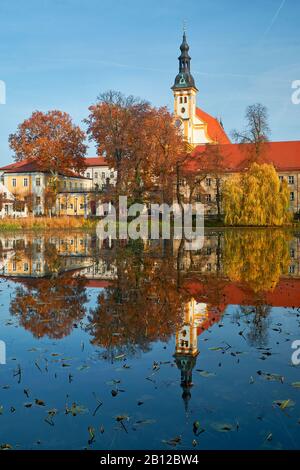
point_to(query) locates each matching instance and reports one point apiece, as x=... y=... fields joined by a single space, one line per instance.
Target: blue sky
x=60 y=54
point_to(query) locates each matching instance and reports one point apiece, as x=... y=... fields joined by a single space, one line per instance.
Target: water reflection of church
x=186 y=351
x=208 y=291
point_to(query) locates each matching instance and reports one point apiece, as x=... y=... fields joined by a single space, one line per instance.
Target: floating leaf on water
x=101 y=429
x=173 y=442
x=121 y=418
x=145 y=421
x=121 y=356
x=114 y=393
x=271 y=377
x=40 y=402
x=194 y=443
x=52 y=412
x=216 y=349
x=28 y=405
x=283 y=404
x=83 y=367
x=1 y=409
x=91 y=431
x=223 y=427
x=269 y=437
x=76 y=409
x=296 y=384
x=205 y=373
x=65 y=365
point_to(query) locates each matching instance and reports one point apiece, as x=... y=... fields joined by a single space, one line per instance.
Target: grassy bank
x=47 y=223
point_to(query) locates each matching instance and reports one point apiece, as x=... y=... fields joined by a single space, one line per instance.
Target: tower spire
x=184 y=79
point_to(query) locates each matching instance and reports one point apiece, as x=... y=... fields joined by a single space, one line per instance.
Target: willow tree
x=256 y=198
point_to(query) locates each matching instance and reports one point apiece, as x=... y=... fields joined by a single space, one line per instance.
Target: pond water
x=148 y=346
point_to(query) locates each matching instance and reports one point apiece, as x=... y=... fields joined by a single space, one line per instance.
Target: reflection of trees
x=256 y=258
x=50 y=306
x=257 y=320
x=143 y=305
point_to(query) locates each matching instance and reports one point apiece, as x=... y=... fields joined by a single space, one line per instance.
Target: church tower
x=185 y=91
x=197 y=126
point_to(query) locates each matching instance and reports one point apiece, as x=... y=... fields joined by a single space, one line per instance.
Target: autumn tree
x=166 y=148
x=114 y=123
x=256 y=134
x=140 y=142
x=50 y=199
x=29 y=201
x=256 y=197
x=51 y=140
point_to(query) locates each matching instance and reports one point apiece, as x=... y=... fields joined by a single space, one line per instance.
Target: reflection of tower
x=187 y=345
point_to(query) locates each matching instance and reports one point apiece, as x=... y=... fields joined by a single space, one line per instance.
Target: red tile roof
x=28 y=166
x=285 y=294
x=285 y=156
x=96 y=161
x=214 y=128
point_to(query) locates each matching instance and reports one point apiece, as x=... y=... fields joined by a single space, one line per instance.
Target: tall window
x=38 y=181
x=88 y=175
x=291 y=180
x=96 y=174
x=292 y=196
x=208 y=181
x=208 y=197
x=25 y=182
x=14 y=182
x=38 y=200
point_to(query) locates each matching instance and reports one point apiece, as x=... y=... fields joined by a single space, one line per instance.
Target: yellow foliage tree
x=256 y=198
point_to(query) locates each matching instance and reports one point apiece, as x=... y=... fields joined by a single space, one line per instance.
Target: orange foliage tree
x=139 y=141
x=52 y=140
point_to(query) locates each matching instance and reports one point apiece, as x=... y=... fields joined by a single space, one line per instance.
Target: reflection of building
x=36 y=257
x=186 y=352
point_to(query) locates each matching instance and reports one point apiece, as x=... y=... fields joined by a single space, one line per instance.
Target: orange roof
x=96 y=161
x=285 y=294
x=28 y=166
x=214 y=128
x=285 y=156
